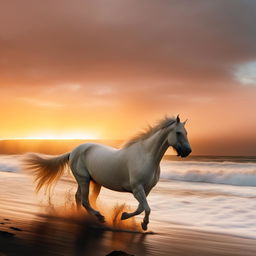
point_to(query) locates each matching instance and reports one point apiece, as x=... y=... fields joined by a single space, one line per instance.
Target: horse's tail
x=46 y=169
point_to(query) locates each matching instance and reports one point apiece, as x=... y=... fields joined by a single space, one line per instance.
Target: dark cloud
x=56 y=41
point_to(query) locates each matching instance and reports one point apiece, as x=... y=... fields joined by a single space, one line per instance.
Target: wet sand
x=36 y=225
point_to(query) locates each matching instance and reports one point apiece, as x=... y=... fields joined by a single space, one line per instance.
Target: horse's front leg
x=127 y=215
x=139 y=210
x=140 y=195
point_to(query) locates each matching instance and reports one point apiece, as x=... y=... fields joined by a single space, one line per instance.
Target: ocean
x=207 y=193
x=211 y=193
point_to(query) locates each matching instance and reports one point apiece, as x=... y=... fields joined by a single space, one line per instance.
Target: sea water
x=208 y=193
x=215 y=194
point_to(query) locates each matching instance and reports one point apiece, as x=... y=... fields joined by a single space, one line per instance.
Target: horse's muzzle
x=183 y=151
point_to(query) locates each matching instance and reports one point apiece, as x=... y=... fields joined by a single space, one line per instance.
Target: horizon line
x=38 y=138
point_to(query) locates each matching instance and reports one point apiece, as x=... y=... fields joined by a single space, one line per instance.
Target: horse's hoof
x=124 y=216
x=100 y=217
x=144 y=226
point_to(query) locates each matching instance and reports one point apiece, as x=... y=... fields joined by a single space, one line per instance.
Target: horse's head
x=177 y=138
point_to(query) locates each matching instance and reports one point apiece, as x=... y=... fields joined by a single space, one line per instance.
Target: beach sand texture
x=33 y=224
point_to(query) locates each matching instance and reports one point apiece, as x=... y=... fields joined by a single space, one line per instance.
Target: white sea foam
x=212 y=196
x=239 y=174
x=204 y=206
x=9 y=163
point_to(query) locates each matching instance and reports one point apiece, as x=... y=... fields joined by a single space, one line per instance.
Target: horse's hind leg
x=83 y=179
x=94 y=192
x=78 y=198
x=84 y=184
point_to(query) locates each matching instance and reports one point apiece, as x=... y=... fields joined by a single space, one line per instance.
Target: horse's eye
x=178 y=133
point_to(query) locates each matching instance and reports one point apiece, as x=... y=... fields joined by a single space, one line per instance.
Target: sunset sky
x=106 y=69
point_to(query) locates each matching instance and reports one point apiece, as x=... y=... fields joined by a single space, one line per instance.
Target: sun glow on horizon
x=64 y=136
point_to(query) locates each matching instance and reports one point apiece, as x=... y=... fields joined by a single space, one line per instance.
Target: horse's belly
x=107 y=169
x=110 y=179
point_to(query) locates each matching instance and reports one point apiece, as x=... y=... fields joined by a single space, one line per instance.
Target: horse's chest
x=151 y=178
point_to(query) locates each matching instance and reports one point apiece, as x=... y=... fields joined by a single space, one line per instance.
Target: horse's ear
x=178 y=119
x=185 y=121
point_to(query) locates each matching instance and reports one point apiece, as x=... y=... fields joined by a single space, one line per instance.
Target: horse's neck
x=157 y=145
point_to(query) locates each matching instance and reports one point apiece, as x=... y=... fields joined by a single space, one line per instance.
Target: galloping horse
x=134 y=168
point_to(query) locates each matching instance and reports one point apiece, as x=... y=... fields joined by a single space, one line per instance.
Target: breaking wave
x=229 y=173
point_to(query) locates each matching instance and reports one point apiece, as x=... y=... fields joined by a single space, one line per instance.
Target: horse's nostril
x=187 y=151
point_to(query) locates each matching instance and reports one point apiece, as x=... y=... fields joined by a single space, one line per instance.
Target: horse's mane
x=161 y=124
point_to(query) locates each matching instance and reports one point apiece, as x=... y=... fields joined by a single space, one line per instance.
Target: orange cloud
x=108 y=68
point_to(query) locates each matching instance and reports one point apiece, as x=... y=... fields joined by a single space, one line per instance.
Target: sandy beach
x=33 y=224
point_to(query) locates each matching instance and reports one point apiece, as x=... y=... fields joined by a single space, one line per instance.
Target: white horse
x=133 y=168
